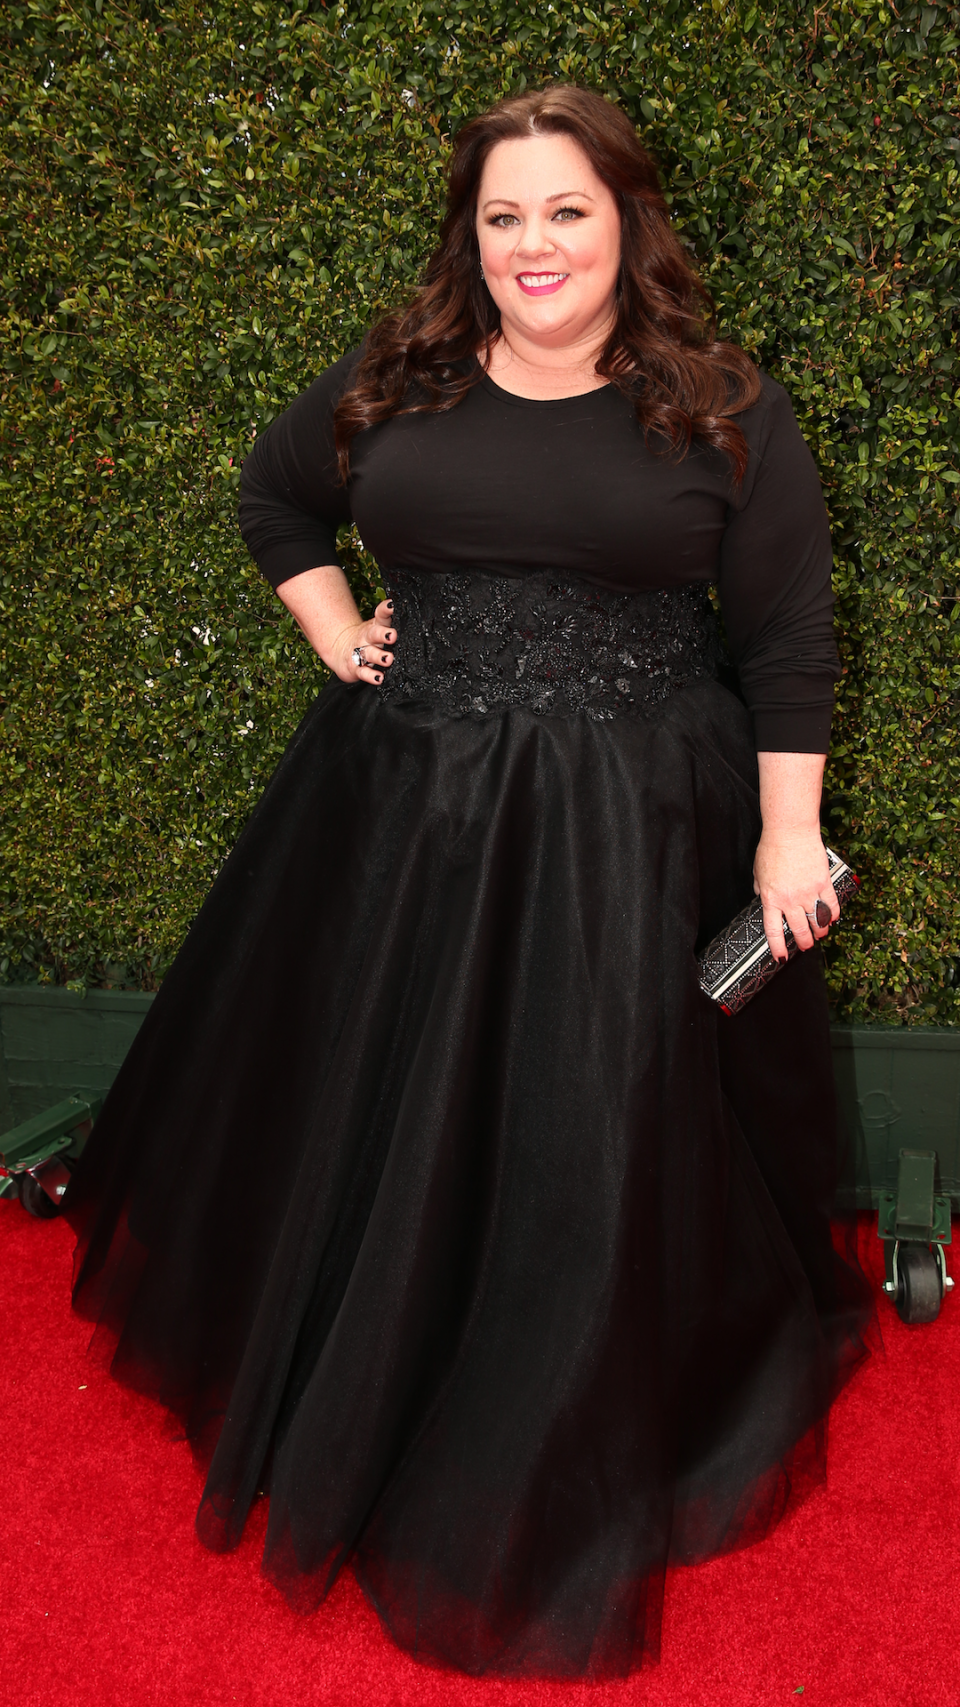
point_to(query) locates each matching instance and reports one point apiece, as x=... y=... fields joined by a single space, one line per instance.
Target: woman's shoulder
x=311 y=411
x=779 y=456
x=771 y=417
x=774 y=399
x=336 y=378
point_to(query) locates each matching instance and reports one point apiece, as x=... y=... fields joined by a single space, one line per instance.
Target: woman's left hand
x=790 y=874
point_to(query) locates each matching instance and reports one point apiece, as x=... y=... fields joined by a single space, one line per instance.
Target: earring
x=482 y=274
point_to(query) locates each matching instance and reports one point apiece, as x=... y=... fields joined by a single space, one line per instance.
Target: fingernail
x=389 y=604
x=378 y=678
x=382 y=658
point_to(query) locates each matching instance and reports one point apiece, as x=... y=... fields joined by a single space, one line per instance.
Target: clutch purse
x=738 y=962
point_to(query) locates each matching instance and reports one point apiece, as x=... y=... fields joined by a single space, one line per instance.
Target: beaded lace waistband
x=474 y=643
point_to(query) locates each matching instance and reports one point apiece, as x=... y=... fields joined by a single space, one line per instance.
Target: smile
x=541 y=284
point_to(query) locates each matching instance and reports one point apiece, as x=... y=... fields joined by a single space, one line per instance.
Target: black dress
x=434 y=1197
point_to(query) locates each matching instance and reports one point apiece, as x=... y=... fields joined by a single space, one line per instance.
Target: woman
x=434 y=1196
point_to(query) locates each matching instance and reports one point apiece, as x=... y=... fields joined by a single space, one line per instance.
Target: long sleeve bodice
x=513 y=486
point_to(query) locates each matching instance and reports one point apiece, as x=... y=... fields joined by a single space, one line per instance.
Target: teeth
x=541 y=278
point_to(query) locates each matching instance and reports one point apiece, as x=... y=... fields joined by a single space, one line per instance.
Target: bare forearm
x=321 y=602
x=323 y=605
x=790 y=788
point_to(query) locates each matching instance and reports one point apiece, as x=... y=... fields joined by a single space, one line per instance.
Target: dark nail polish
x=383 y=660
x=389 y=604
x=378 y=679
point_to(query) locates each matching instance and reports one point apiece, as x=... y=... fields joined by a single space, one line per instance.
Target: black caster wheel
x=35 y=1200
x=920 y=1288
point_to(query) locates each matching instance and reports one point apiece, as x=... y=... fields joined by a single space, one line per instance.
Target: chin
x=549 y=323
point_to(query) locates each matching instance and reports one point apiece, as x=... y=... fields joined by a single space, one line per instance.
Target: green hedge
x=205 y=205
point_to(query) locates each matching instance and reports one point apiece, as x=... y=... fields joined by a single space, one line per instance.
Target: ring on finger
x=820 y=914
x=357 y=656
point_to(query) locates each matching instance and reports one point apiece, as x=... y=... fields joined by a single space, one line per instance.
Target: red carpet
x=107 y=1598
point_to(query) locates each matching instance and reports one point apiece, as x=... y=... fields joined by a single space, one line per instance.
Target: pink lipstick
x=552 y=282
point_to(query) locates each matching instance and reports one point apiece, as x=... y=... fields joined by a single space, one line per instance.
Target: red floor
x=107 y=1598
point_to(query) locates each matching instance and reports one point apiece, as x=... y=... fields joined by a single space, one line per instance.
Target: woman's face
x=549 y=235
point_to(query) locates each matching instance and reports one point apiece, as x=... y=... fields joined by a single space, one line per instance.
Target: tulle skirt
x=438 y=1203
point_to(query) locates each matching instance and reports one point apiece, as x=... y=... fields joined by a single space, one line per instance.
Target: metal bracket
x=915 y=1215
x=34 y=1142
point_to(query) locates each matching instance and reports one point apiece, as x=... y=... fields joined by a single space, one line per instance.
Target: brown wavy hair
x=662 y=352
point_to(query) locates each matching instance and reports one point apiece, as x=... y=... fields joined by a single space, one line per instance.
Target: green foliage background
x=206 y=204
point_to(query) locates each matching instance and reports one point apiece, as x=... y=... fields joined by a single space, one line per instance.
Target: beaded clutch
x=738 y=962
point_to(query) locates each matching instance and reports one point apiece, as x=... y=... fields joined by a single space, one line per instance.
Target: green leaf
x=192 y=229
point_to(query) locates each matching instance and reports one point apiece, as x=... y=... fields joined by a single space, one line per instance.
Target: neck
x=529 y=368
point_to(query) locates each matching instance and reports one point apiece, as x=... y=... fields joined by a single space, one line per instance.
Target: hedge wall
x=206 y=204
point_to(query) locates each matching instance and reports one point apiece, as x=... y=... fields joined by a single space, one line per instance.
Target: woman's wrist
x=790 y=867
x=321 y=602
x=790 y=788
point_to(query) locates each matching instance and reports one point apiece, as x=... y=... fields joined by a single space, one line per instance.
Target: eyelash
x=497 y=217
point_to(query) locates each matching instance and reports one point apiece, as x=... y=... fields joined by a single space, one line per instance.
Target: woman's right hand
x=321 y=602
x=373 y=638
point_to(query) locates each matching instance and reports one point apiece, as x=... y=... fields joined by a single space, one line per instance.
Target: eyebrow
x=563 y=196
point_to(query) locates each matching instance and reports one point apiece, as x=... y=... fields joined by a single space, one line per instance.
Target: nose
x=536 y=240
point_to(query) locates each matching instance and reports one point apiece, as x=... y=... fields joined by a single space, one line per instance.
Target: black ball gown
x=434 y=1198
